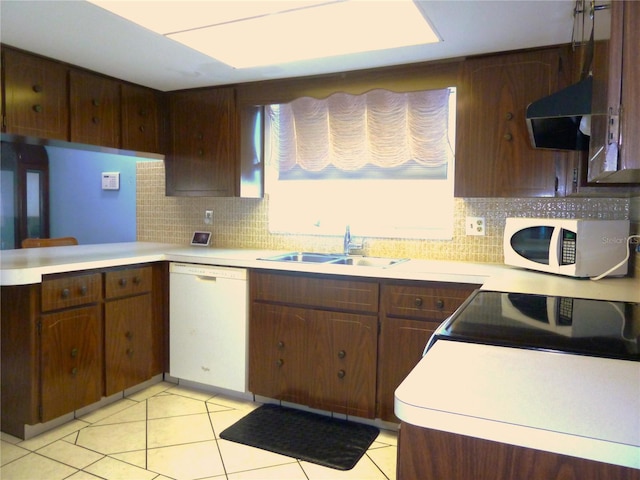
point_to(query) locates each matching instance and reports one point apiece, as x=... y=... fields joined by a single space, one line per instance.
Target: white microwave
x=572 y=247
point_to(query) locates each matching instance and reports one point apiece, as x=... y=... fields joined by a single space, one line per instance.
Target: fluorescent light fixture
x=247 y=34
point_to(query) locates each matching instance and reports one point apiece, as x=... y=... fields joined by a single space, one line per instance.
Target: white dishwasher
x=208 y=316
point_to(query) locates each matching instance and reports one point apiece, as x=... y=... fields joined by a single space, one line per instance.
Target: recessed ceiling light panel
x=247 y=34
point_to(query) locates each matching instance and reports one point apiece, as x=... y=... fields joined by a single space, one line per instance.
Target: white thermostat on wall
x=110 y=180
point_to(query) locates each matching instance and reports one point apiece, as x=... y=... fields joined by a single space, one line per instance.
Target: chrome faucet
x=348 y=244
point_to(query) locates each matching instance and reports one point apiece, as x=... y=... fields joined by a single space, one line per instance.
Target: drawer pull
x=418 y=302
x=74 y=352
x=280 y=344
x=95 y=102
x=341 y=373
x=83 y=290
x=130 y=352
x=440 y=304
x=122 y=282
x=37 y=108
x=74 y=371
x=137 y=280
x=342 y=354
x=65 y=293
x=509 y=116
x=279 y=362
x=95 y=120
x=129 y=335
x=37 y=88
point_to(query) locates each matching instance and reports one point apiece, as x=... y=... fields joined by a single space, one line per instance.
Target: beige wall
x=243 y=223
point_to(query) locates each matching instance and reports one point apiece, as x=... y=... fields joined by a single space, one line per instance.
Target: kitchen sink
x=305 y=257
x=335 y=259
x=380 y=262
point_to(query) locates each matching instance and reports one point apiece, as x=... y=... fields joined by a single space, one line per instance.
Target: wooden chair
x=48 y=242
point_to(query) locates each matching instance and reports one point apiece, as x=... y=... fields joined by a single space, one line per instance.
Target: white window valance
x=376 y=130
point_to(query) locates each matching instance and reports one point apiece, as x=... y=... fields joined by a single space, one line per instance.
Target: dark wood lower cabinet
x=426 y=454
x=128 y=342
x=71 y=353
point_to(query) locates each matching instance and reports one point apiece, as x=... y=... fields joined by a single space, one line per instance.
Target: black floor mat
x=303 y=435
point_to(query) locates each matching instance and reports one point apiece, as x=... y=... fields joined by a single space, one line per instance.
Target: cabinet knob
x=130 y=352
x=509 y=116
x=200 y=152
x=37 y=88
x=74 y=371
x=418 y=302
x=280 y=344
x=129 y=335
x=74 y=352
x=341 y=373
x=95 y=102
x=199 y=135
x=142 y=112
x=83 y=290
x=137 y=280
x=342 y=354
x=440 y=303
x=37 y=108
x=95 y=120
x=279 y=362
x=122 y=282
x=141 y=128
x=65 y=293
x=508 y=137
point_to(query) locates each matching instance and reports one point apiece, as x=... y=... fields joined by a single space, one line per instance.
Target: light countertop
x=27 y=266
x=569 y=404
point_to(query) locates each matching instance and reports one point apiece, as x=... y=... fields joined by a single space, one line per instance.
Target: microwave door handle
x=555 y=247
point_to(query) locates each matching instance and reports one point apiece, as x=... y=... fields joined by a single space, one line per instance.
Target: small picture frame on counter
x=201 y=239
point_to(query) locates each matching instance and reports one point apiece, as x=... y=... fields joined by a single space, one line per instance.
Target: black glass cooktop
x=572 y=325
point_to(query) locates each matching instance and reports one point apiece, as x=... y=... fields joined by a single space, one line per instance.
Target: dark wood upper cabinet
x=140 y=119
x=614 y=155
x=494 y=156
x=35 y=94
x=202 y=159
x=95 y=109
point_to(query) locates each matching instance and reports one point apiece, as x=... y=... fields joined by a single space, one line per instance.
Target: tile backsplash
x=243 y=222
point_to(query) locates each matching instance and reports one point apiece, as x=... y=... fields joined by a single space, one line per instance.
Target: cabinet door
x=278 y=366
x=203 y=160
x=342 y=363
x=95 y=109
x=140 y=119
x=36 y=101
x=494 y=157
x=128 y=342
x=402 y=343
x=410 y=314
x=71 y=360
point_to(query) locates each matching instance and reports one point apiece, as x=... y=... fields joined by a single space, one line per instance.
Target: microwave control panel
x=568 y=256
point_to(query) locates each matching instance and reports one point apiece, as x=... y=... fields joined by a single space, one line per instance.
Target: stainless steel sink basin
x=336 y=259
x=305 y=257
x=380 y=262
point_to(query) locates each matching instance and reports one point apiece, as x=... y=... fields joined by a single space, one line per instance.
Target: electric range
x=562 y=324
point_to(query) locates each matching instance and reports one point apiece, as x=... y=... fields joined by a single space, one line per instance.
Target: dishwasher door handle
x=205 y=278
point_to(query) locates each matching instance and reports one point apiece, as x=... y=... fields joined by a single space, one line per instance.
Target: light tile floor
x=169 y=432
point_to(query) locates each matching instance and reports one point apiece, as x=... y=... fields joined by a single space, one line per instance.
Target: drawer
x=71 y=291
x=130 y=281
x=430 y=302
x=315 y=291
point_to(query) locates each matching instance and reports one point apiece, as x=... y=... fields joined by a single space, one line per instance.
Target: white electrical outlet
x=475 y=226
x=208 y=217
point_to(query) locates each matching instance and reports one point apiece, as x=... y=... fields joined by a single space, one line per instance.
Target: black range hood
x=556 y=122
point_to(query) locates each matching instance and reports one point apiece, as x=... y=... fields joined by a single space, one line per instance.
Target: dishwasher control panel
x=209 y=271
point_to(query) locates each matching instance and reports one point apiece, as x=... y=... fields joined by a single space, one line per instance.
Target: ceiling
x=83 y=34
